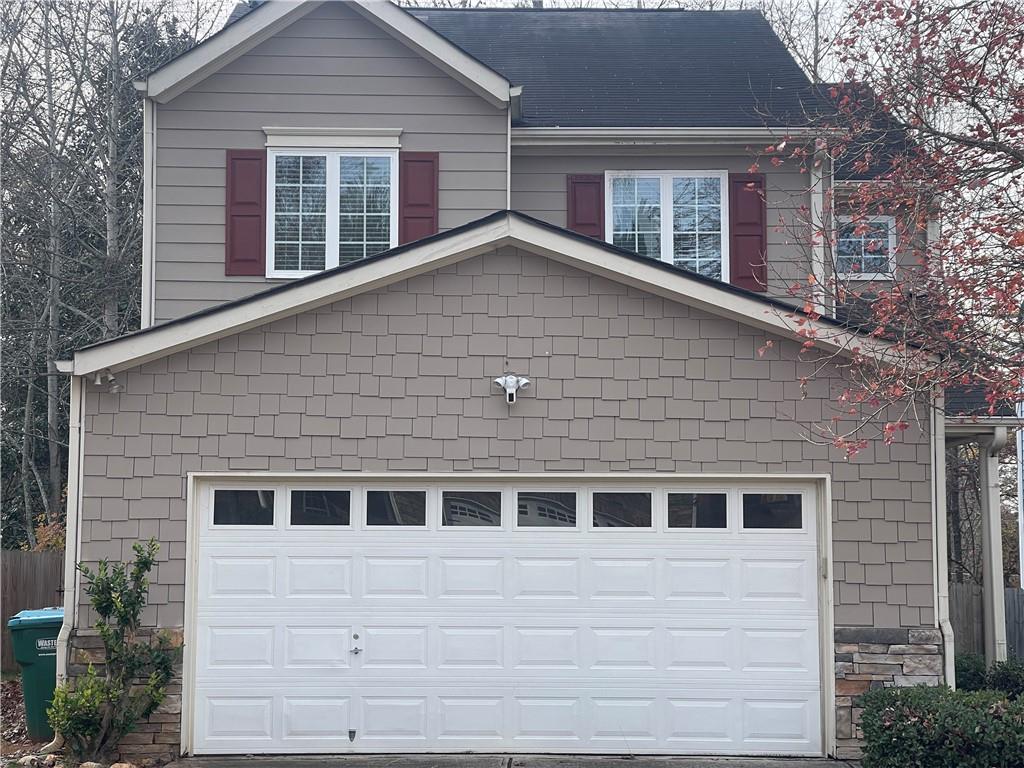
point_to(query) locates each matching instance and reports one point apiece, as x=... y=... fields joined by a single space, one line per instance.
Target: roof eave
x=648 y=135
x=491 y=232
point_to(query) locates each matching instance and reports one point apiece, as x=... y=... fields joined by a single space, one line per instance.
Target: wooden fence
x=27 y=580
x=967 y=615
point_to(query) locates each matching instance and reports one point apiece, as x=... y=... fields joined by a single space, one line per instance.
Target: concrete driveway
x=506 y=761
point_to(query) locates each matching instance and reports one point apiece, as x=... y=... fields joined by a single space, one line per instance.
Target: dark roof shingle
x=635 y=68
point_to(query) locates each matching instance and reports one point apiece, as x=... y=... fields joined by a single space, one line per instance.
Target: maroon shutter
x=245 y=238
x=748 y=231
x=417 y=195
x=585 y=204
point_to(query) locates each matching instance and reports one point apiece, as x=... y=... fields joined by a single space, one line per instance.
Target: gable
x=494 y=231
x=271 y=18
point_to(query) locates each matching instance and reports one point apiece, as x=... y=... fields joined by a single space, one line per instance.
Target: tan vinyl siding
x=539 y=189
x=399 y=379
x=332 y=68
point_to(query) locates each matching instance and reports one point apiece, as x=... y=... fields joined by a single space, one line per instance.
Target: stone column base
x=157 y=739
x=869 y=657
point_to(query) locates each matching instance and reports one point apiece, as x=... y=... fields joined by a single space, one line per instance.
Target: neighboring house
x=357 y=218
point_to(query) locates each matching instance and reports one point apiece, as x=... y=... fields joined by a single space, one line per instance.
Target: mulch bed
x=14 y=741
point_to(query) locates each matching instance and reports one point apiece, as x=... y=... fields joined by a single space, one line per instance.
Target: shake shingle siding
x=331 y=68
x=399 y=379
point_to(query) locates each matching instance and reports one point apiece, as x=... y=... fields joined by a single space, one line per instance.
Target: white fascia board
x=539 y=137
x=177 y=76
x=438 y=50
x=303 y=296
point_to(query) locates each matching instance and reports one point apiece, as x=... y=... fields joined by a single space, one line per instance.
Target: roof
x=624 y=68
x=586 y=67
x=971 y=401
x=431 y=253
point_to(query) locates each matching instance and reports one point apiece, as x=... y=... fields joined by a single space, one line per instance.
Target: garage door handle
x=356 y=651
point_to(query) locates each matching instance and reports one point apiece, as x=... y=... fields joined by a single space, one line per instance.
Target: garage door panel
x=322 y=719
x=431 y=639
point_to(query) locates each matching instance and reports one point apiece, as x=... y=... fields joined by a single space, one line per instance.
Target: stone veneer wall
x=867 y=658
x=158 y=738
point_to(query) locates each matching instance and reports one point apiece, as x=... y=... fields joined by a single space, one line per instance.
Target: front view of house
x=359 y=218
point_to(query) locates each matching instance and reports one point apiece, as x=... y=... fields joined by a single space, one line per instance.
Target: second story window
x=864 y=247
x=329 y=207
x=675 y=216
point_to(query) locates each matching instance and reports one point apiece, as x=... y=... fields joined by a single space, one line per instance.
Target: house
x=358 y=217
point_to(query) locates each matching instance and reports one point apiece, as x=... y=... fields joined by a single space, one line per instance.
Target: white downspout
x=992 y=546
x=940 y=526
x=71 y=539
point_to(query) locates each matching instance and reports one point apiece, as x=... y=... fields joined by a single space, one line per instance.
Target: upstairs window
x=328 y=207
x=865 y=247
x=680 y=217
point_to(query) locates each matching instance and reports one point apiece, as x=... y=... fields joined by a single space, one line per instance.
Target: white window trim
x=666 y=220
x=867 y=276
x=333 y=171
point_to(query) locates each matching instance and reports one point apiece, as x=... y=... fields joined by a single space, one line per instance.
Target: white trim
x=180 y=74
x=269 y=18
x=333 y=138
x=332 y=258
x=148 y=212
x=890 y=256
x=818 y=257
x=666 y=212
x=508 y=229
x=646 y=135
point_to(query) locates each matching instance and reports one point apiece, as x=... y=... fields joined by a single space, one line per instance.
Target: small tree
x=94 y=714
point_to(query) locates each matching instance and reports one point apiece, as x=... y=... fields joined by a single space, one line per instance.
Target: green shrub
x=93 y=715
x=1007 y=676
x=939 y=728
x=970 y=672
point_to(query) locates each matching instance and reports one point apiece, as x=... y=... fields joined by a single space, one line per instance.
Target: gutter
x=71 y=539
x=646 y=135
x=940 y=568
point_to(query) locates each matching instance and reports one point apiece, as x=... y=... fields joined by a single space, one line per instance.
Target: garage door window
x=546 y=509
x=405 y=508
x=243 y=507
x=697 y=510
x=772 y=510
x=320 y=508
x=622 y=510
x=471 y=508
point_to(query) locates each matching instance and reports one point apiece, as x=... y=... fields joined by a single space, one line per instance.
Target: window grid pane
x=364 y=197
x=862 y=248
x=697 y=224
x=300 y=212
x=636 y=215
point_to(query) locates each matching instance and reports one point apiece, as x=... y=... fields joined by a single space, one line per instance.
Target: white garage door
x=536 y=618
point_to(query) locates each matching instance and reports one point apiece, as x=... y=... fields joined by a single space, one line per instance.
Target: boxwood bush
x=1007 y=676
x=927 y=727
x=970 y=672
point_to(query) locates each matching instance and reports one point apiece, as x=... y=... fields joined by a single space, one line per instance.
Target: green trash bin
x=34 y=639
